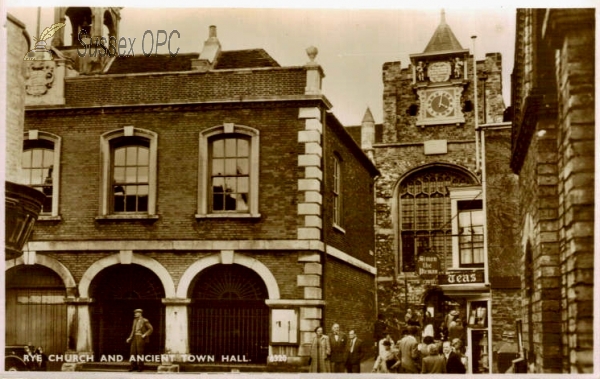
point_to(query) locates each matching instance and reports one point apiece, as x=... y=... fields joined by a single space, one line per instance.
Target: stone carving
x=39 y=77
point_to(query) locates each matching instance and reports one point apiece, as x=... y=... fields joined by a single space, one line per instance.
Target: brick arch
x=215 y=259
x=56 y=266
x=150 y=263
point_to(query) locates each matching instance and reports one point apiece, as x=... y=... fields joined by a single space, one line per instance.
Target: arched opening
x=424 y=213
x=228 y=314
x=36 y=313
x=117 y=291
x=81 y=19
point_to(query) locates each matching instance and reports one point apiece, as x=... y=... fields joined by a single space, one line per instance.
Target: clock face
x=440 y=104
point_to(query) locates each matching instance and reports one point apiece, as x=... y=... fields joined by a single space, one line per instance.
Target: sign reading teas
x=428 y=266
x=461 y=277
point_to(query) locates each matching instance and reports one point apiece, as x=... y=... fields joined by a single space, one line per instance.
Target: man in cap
x=138 y=338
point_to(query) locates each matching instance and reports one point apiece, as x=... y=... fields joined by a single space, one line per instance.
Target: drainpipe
x=475 y=101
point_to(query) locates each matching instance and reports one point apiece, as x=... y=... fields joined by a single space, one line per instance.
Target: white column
x=84 y=327
x=176 y=330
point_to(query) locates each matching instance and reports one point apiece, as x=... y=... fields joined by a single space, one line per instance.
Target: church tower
x=95 y=21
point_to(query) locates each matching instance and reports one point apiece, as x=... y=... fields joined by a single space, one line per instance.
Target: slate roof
x=443 y=39
x=244 y=59
x=237 y=59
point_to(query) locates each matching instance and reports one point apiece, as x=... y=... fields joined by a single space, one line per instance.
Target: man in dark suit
x=138 y=338
x=338 y=341
x=453 y=363
x=355 y=353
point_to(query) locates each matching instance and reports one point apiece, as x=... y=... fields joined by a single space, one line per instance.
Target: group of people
x=36 y=359
x=429 y=356
x=336 y=352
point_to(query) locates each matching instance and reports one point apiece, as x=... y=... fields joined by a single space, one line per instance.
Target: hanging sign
x=428 y=266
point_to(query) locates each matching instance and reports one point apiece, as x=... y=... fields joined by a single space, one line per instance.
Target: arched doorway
x=35 y=308
x=228 y=314
x=117 y=291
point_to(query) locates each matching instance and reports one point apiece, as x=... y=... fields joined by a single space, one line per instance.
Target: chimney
x=210 y=51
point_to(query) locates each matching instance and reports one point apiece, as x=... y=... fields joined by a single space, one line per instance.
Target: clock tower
x=439 y=78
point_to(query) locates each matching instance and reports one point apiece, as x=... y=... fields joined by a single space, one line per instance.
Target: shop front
x=467 y=316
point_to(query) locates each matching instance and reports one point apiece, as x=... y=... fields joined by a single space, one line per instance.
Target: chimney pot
x=212 y=31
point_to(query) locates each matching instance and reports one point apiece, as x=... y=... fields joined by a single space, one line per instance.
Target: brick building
x=213 y=190
x=446 y=198
x=553 y=154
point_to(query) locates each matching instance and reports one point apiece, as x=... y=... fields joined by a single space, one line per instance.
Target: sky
x=353 y=43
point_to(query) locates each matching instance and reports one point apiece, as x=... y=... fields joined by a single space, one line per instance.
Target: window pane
x=37 y=176
x=243 y=148
x=230 y=202
x=242 y=166
x=119 y=203
x=142 y=175
x=230 y=185
x=142 y=204
x=131 y=156
x=119 y=157
x=26 y=159
x=130 y=203
x=131 y=175
x=218 y=202
x=119 y=174
x=143 y=156
x=142 y=190
x=230 y=166
x=218 y=148
x=242 y=184
x=230 y=147
x=48 y=157
x=218 y=184
x=36 y=159
x=218 y=167
x=242 y=205
x=130 y=190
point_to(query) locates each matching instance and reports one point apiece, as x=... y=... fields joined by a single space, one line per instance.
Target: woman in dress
x=387 y=361
x=320 y=349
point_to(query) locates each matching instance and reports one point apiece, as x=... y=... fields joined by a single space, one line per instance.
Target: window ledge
x=128 y=217
x=227 y=215
x=49 y=218
x=339 y=228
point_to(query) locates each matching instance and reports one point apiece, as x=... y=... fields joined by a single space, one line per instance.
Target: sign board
x=461 y=277
x=428 y=266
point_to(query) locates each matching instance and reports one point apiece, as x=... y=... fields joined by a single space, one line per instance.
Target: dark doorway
x=228 y=314
x=117 y=291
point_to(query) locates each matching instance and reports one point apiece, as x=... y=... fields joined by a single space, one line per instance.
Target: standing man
x=409 y=351
x=138 y=338
x=454 y=364
x=338 y=341
x=355 y=353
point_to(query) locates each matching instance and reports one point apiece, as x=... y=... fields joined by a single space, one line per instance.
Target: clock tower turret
x=439 y=78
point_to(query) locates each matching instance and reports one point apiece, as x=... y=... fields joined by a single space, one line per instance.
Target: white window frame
x=204 y=171
x=106 y=193
x=462 y=194
x=33 y=135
